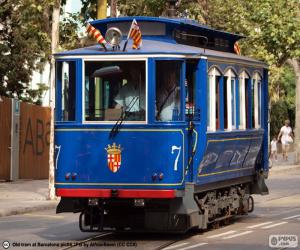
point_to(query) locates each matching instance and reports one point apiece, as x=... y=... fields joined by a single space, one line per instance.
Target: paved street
x=277 y=213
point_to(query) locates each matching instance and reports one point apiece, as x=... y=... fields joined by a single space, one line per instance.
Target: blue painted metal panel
x=151 y=90
x=199 y=133
x=182 y=90
x=144 y=152
x=229 y=155
x=265 y=109
x=79 y=83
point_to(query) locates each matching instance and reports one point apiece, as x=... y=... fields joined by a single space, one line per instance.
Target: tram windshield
x=113 y=88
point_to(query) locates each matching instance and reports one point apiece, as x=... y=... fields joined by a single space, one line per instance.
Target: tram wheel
x=215 y=225
x=250 y=204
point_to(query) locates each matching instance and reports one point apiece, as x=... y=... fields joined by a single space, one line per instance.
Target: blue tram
x=168 y=137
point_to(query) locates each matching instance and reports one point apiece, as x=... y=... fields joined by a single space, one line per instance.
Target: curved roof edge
x=171 y=22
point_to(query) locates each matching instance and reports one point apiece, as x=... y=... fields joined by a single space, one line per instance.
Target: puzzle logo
x=283 y=241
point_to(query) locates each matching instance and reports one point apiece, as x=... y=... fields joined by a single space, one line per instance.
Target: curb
x=24 y=210
x=283 y=169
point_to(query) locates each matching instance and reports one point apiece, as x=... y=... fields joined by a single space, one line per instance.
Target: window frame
x=144 y=59
x=58 y=93
x=231 y=107
x=211 y=94
x=243 y=77
x=256 y=79
x=181 y=84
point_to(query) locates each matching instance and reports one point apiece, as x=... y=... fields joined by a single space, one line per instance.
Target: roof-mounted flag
x=93 y=32
x=237 y=49
x=136 y=34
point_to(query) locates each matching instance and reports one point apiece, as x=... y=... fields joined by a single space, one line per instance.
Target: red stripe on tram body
x=119 y=193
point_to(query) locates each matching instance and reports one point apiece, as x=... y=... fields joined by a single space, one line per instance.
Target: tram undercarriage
x=178 y=215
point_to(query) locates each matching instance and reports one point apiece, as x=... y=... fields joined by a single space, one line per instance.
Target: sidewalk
x=24 y=196
x=283 y=166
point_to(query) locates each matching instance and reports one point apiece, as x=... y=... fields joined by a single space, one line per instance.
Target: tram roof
x=170 y=25
x=164 y=47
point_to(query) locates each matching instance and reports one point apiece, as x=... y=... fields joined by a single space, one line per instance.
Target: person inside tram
x=131 y=96
x=168 y=96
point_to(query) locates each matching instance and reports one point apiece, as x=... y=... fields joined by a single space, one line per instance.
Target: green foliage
x=88 y=10
x=141 y=8
x=25 y=44
x=25 y=35
x=68 y=31
x=36 y=95
x=283 y=100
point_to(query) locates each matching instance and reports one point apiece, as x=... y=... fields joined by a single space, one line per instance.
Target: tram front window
x=113 y=90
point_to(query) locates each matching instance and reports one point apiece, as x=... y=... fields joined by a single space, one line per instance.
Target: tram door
x=177 y=99
x=194 y=100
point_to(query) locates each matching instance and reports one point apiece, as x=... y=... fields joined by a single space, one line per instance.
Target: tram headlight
x=113 y=36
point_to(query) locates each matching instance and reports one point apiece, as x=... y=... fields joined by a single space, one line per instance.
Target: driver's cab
x=136 y=91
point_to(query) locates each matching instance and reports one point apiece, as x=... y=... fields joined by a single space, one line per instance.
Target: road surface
x=275 y=214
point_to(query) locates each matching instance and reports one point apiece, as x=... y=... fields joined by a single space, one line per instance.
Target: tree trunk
x=101 y=9
x=295 y=63
x=113 y=8
x=54 y=45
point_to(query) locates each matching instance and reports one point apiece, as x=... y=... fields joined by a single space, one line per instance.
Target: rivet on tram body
x=74 y=175
x=161 y=176
x=154 y=176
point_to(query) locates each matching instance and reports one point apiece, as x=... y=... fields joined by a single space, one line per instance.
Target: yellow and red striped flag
x=237 y=49
x=136 y=34
x=93 y=32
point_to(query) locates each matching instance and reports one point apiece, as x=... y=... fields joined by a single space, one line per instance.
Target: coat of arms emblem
x=113 y=157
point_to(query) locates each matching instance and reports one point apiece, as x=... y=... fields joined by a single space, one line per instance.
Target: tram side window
x=168 y=92
x=190 y=92
x=66 y=75
x=115 y=90
x=229 y=100
x=213 y=99
x=256 y=101
x=243 y=97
